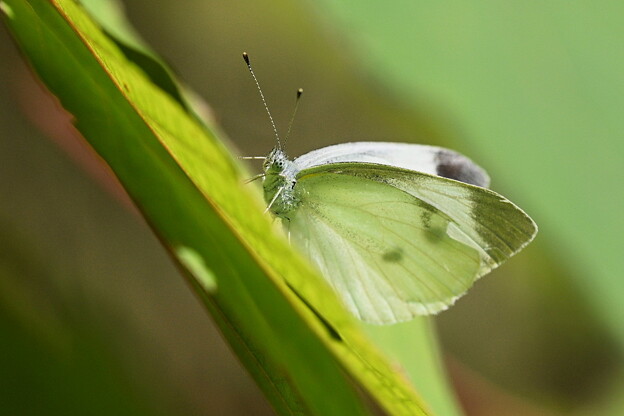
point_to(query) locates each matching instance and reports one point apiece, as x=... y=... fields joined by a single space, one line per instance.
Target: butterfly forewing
x=396 y=243
x=417 y=157
x=489 y=221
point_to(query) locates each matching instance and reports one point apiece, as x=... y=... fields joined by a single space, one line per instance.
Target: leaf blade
x=190 y=192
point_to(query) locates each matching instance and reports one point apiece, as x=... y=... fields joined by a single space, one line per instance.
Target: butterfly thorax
x=279 y=184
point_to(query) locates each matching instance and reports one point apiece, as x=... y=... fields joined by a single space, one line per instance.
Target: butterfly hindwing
x=395 y=243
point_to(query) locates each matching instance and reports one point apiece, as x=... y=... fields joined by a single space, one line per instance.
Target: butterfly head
x=275 y=162
x=279 y=183
x=279 y=178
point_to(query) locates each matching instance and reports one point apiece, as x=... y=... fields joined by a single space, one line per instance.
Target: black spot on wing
x=455 y=166
x=435 y=227
x=394 y=255
x=425 y=217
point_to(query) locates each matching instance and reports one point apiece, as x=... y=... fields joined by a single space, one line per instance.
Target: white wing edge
x=417 y=157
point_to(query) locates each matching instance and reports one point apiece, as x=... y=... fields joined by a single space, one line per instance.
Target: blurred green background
x=93 y=316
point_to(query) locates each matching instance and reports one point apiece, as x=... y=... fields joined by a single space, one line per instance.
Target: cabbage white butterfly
x=397 y=229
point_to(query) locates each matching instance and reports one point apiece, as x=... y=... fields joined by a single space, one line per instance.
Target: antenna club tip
x=246 y=57
x=300 y=91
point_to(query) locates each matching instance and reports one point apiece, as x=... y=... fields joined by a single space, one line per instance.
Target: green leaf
x=109 y=14
x=190 y=191
x=413 y=345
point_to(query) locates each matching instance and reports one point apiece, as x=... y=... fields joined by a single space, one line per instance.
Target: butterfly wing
x=396 y=243
x=422 y=158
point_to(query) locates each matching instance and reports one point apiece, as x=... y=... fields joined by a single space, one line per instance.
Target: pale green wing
x=396 y=243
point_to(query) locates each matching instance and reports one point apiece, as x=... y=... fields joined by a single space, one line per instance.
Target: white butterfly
x=398 y=230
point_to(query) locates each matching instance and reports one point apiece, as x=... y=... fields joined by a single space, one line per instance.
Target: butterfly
x=397 y=230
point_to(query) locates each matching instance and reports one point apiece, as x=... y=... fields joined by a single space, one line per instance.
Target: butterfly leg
x=254 y=178
x=277 y=194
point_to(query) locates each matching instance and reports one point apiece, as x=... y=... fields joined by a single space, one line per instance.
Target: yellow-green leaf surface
x=190 y=191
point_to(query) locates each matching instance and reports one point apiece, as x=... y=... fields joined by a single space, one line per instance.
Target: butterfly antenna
x=299 y=92
x=266 y=107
